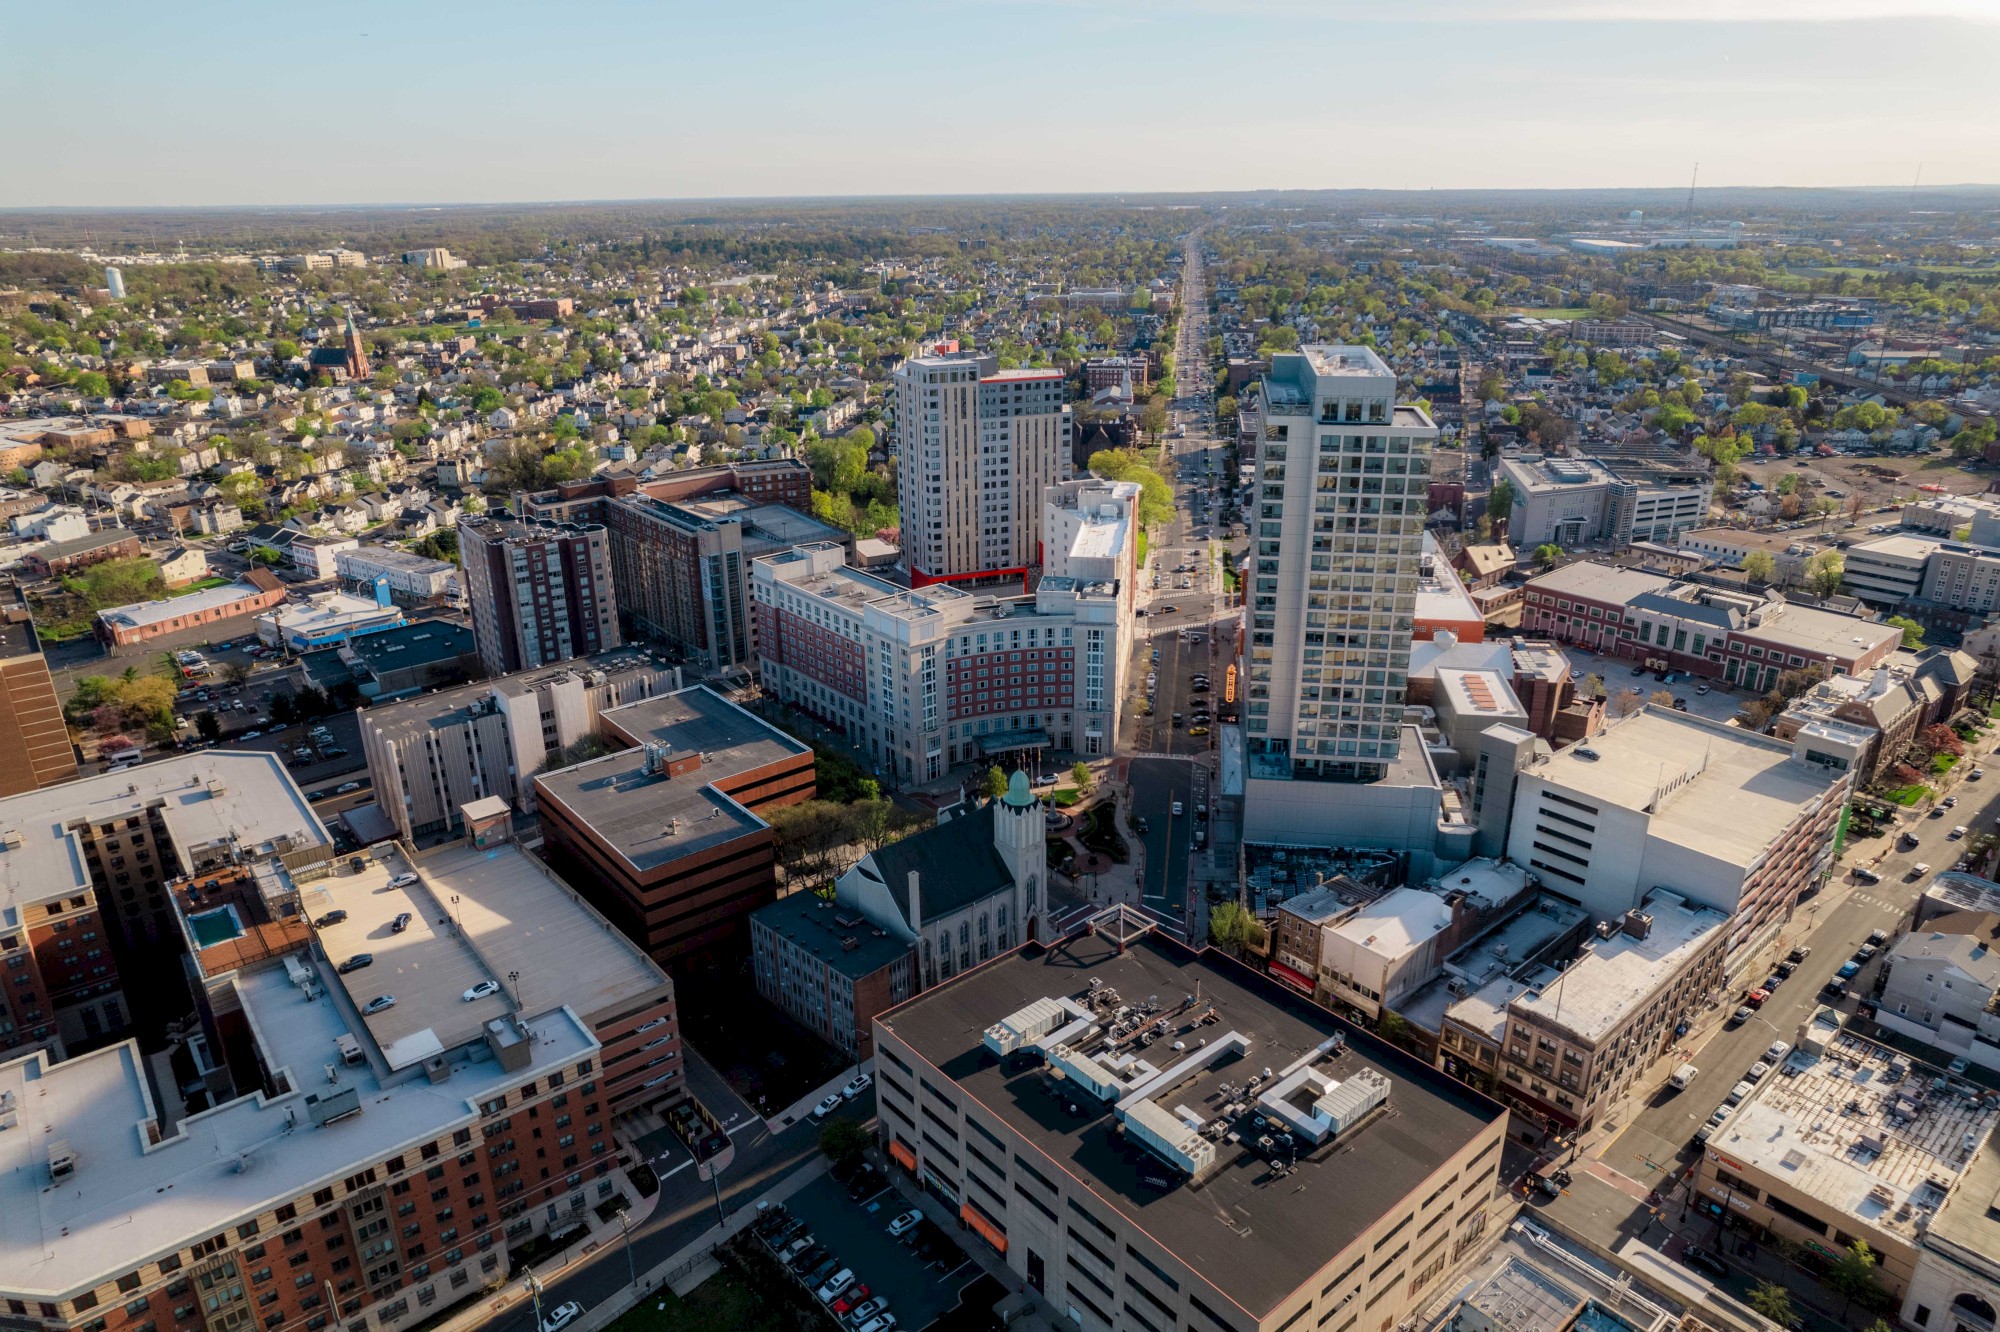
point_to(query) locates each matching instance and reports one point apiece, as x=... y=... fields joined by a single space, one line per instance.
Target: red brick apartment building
x=665 y=835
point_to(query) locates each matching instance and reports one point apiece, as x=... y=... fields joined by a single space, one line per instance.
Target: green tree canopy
x=1231 y=926
x=1913 y=633
x=1156 y=497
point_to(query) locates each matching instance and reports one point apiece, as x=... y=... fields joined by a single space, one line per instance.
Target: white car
x=835 y=1285
x=481 y=990
x=402 y=880
x=347 y=788
x=860 y=1083
x=879 y=1323
x=381 y=1003
x=827 y=1106
x=249 y=735
x=1778 y=1050
x=905 y=1223
x=562 y=1316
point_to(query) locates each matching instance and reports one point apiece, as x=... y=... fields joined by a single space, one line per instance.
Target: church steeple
x=357 y=357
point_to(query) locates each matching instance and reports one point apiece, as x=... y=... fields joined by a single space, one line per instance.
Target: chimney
x=916 y=906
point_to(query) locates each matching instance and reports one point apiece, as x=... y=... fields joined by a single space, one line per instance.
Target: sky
x=220 y=102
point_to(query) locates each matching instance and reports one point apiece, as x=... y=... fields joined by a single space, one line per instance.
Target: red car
x=1756 y=997
x=849 y=1301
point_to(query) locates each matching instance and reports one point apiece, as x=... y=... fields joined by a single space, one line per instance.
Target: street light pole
x=535 y=1291
x=631 y=1270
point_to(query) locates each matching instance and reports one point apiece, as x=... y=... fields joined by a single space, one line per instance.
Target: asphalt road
x=1657 y=1140
x=686 y=1208
x=1156 y=784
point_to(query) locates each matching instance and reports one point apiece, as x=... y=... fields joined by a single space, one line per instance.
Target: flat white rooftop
x=1605 y=983
x=142 y=613
x=1713 y=788
x=132 y=1199
x=1846 y=1131
x=1396 y=922
x=205 y=798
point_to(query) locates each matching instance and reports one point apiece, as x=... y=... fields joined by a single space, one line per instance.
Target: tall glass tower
x=1343 y=474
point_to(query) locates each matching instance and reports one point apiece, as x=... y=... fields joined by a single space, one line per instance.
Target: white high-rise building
x=1341 y=497
x=975 y=446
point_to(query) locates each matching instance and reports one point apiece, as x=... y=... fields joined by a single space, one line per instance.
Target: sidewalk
x=803 y=1107
x=681 y=1272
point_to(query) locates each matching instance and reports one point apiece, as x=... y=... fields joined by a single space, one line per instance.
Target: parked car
x=346 y=788
x=879 y=1323
x=381 y=1003
x=333 y=917
x=905 y=1223
x=1848 y=969
x=403 y=880
x=400 y=923
x=1799 y=954
x=1741 y=1016
x=1701 y=1260
x=832 y=1287
x=355 y=963
x=856 y=1085
x=827 y=1106
x=562 y=1316
x=481 y=990
x=850 y=1299
x=867 y=1309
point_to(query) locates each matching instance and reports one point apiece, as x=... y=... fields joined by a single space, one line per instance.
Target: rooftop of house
x=1969 y=953
x=135 y=1195
x=1863 y=1130
x=1714 y=788
x=1282 y=1227
x=1612 y=976
x=207 y=800
x=650 y=817
x=837 y=936
x=450 y=707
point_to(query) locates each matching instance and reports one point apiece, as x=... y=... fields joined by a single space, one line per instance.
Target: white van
x=1683 y=1076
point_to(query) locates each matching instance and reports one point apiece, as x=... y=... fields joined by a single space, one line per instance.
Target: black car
x=400 y=923
x=1701 y=1260
x=330 y=918
x=355 y=963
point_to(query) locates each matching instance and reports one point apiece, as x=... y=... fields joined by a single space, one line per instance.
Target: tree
x=1500 y=501
x=842 y=1141
x=1774 y=1302
x=994 y=784
x=207 y=725
x=1627 y=702
x=1759 y=566
x=1156 y=497
x=1231 y=926
x=1662 y=698
x=1824 y=572
x=236 y=672
x=1547 y=554
x=1913 y=633
x=1081 y=775
x=1852 y=1275
x=1153 y=418
x=1593 y=686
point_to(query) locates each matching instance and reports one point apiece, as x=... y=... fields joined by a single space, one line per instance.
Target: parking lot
x=855 y=1232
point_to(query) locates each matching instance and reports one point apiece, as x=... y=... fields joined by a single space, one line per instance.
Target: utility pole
x=535 y=1290
x=632 y=1271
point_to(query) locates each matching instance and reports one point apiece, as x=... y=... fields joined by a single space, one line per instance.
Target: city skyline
x=1590 y=94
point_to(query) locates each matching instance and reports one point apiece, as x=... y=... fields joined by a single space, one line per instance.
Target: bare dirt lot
x=1878 y=481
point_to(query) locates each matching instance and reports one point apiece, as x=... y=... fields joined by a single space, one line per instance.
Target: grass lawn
x=201 y=585
x=1143 y=545
x=1065 y=796
x=1565 y=312
x=1906 y=795
x=723 y=1303
x=1943 y=763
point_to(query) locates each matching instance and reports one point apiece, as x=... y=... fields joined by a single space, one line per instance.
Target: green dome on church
x=1018 y=795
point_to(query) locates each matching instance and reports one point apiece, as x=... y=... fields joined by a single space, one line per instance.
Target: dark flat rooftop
x=815 y=924
x=650 y=818
x=1255 y=1236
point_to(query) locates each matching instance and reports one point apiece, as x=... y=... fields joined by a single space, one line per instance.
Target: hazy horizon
x=376 y=104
